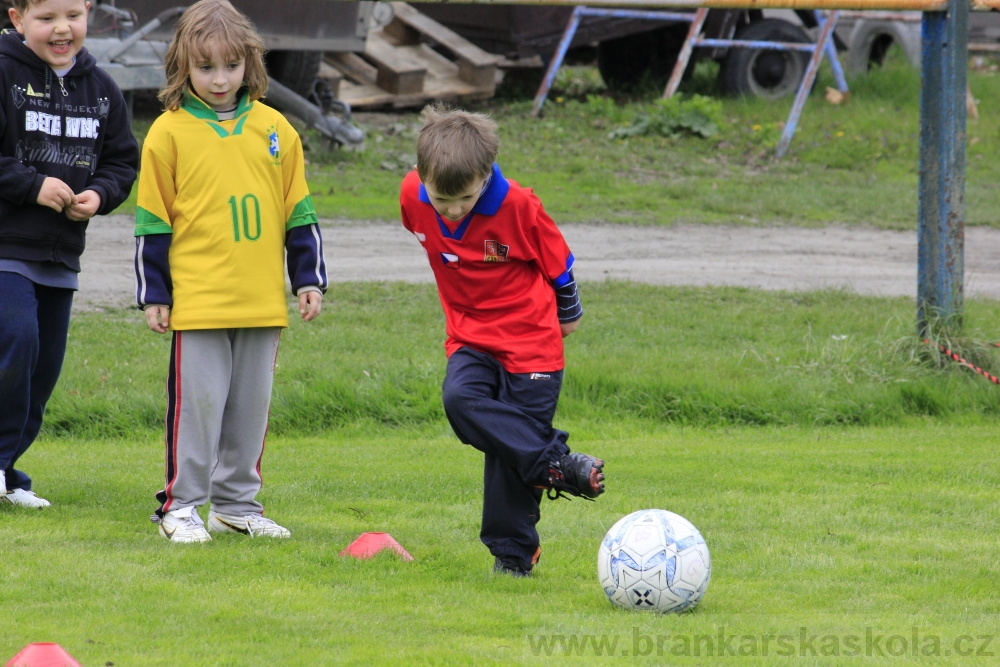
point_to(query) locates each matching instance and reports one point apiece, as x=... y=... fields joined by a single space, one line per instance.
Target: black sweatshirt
x=74 y=128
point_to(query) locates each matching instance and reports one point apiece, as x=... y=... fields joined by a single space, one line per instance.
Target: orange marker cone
x=370 y=544
x=43 y=654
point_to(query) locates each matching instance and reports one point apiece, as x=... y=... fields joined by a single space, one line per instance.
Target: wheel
x=870 y=41
x=626 y=62
x=296 y=69
x=765 y=73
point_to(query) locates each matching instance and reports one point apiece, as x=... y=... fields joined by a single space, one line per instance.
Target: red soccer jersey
x=496 y=272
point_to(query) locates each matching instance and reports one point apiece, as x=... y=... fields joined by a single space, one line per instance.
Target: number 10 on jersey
x=246 y=217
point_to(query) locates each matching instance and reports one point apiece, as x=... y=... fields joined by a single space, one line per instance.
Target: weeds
x=675 y=117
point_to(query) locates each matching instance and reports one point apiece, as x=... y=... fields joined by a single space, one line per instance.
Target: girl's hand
x=157 y=318
x=310 y=303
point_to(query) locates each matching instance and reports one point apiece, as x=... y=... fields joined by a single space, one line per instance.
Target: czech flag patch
x=450 y=261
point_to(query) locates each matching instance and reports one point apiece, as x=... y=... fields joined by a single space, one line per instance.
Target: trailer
x=633 y=50
x=129 y=39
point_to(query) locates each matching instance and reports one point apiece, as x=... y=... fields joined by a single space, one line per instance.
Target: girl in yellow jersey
x=222 y=198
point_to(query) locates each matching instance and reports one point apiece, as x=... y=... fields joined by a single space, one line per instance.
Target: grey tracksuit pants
x=218 y=397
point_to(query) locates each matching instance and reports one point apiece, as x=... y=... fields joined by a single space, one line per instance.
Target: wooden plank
x=476 y=66
x=397 y=73
x=442 y=35
x=353 y=67
x=409 y=63
x=400 y=33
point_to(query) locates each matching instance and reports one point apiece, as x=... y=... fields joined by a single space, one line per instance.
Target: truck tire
x=870 y=41
x=626 y=62
x=296 y=69
x=765 y=73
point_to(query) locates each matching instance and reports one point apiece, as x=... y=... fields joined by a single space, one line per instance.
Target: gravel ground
x=866 y=261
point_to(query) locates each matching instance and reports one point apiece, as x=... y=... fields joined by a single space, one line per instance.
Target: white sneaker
x=184 y=525
x=3 y=484
x=24 y=499
x=254 y=525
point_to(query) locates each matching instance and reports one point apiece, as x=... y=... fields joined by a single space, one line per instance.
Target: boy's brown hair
x=22 y=5
x=455 y=148
x=206 y=24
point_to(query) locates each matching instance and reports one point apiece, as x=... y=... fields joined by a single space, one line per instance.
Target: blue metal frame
x=574 y=22
x=824 y=45
x=941 y=210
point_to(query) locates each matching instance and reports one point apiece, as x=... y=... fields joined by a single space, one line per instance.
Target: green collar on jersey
x=199 y=109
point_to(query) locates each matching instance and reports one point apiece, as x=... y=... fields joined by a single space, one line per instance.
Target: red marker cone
x=43 y=654
x=370 y=544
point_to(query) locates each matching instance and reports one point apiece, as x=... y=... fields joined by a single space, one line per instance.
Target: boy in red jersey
x=505 y=279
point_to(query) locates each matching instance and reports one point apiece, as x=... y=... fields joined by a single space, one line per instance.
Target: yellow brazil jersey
x=226 y=191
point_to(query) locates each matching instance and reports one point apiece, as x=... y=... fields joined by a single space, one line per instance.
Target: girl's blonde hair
x=455 y=148
x=207 y=24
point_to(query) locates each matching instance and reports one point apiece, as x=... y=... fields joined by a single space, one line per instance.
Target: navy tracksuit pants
x=34 y=321
x=508 y=417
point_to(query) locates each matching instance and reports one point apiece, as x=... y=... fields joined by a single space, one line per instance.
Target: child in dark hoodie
x=66 y=154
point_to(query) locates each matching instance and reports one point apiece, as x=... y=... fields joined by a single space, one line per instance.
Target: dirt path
x=864 y=260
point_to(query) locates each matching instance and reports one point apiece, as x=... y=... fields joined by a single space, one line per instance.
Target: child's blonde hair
x=455 y=147
x=206 y=24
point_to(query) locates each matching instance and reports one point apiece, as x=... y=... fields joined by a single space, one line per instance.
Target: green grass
x=716 y=356
x=831 y=530
x=843 y=476
x=843 y=473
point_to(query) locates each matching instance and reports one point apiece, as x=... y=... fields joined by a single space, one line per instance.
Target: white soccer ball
x=654 y=560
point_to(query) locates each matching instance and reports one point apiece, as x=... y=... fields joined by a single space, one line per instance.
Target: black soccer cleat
x=512 y=566
x=577 y=475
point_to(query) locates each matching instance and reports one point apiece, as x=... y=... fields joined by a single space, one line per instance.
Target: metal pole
x=805 y=87
x=550 y=73
x=694 y=31
x=941 y=210
x=163 y=17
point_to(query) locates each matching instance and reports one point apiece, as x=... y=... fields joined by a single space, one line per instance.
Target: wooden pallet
x=411 y=61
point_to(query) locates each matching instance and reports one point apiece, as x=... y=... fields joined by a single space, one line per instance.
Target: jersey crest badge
x=272 y=137
x=496 y=252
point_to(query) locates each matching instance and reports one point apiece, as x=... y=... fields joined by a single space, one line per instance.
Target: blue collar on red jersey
x=489 y=202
